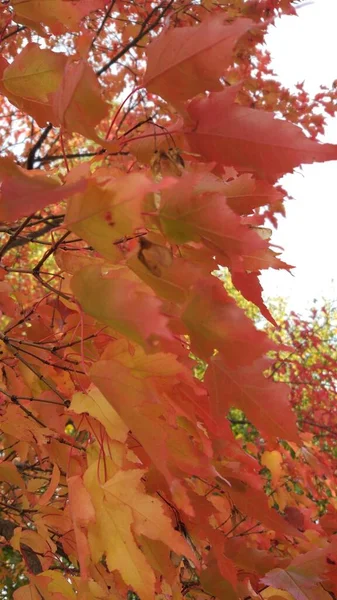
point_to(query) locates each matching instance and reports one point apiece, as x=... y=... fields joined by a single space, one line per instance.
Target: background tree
x=141 y=151
x=309 y=369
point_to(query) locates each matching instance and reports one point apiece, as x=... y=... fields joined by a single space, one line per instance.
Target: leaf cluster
x=151 y=443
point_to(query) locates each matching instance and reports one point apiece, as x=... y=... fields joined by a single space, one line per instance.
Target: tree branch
x=143 y=32
x=37 y=146
x=104 y=20
x=53 y=157
x=11 y=33
x=19 y=240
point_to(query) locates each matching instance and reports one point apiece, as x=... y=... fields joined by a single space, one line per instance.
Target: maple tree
x=142 y=151
x=309 y=369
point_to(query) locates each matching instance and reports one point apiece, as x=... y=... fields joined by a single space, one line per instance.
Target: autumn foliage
x=142 y=148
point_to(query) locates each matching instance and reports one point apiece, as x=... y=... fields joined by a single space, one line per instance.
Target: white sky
x=304 y=48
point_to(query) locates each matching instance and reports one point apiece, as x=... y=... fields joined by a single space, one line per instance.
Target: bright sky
x=305 y=48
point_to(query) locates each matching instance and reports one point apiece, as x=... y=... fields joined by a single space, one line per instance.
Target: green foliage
x=11 y=572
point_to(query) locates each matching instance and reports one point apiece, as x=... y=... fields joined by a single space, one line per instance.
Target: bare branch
x=37 y=146
x=143 y=32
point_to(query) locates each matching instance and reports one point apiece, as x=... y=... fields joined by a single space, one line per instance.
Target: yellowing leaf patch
x=124 y=511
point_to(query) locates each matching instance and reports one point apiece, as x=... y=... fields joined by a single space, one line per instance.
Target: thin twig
x=143 y=32
x=11 y=33
x=104 y=20
x=7 y=245
x=19 y=241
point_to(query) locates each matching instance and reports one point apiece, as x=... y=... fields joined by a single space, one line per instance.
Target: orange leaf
x=149 y=518
x=189 y=214
x=24 y=192
x=83 y=514
x=249 y=286
x=31 y=78
x=244 y=193
x=264 y=402
x=137 y=387
x=123 y=511
x=214 y=583
x=185 y=61
x=214 y=321
x=77 y=103
x=275 y=594
x=301 y=577
x=254 y=503
x=57 y=15
x=249 y=139
x=54 y=481
x=108 y=210
x=121 y=301
x=96 y=405
x=273 y=461
x=9 y=474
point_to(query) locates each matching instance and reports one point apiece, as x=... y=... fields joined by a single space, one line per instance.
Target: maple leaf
x=11 y=475
x=214 y=322
x=18 y=424
x=79 y=496
x=24 y=192
x=148 y=147
x=120 y=517
x=121 y=301
x=57 y=15
x=108 y=210
x=77 y=102
x=70 y=262
x=273 y=461
x=31 y=78
x=216 y=585
x=157 y=554
x=54 y=482
x=301 y=577
x=36 y=549
x=7 y=305
x=263 y=258
x=148 y=514
x=265 y=402
x=249 y=139
x=254 y=503
x=175 y=281
x=186 y=61
x=251 y=560
x=244 y=193
x=50 y=584
x=187 y=215
x=146 y=381
x=272 y=593
x=95 y=404
x=249 y=286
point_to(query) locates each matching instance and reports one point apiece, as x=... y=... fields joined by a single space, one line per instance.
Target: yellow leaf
x=149 y=517
x=96 y=405
x=120 y=300
x=273 y=462
x=35 y=73
x=58 y=15
x=124 y=510
x=34 y=540
x=9 y=474
x=59 y=585
x=275 y=594
x=112 y=534
x=109 y=210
